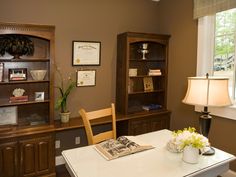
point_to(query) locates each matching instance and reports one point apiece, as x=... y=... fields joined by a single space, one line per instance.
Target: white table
x=157 y=162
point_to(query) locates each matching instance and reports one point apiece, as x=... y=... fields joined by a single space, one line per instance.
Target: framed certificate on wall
x=86 y=78
x=86 y=53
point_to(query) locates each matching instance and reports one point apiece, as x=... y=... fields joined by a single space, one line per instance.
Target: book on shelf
x=122 y=146
x=147 y=84
x=154 y=72
x=151 y=107
x=130 y=86
x=15 y=99
x=1 y=71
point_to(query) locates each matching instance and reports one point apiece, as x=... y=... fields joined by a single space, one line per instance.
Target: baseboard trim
x=59 y=160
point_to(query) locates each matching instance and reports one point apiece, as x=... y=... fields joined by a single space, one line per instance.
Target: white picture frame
x=39 y=96
x=8 y=115
x=86 y=78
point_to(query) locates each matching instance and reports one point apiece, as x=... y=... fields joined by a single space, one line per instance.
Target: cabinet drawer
x=148 y=124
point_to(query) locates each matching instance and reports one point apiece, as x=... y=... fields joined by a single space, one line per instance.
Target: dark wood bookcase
x=142 y=52
x=27 y=145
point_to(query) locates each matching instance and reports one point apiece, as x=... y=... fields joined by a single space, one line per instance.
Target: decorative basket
x=38 y=74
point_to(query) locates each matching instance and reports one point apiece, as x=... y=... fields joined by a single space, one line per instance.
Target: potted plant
x=16 y=45
x=189 y=142
x=65 y=87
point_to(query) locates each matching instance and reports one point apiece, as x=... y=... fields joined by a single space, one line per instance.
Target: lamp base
x=205 y=124
x=211 y=151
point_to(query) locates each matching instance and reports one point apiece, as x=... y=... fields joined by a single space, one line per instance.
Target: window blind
x=209 y=7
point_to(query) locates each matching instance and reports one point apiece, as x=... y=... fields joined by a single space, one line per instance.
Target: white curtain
x=205 y=47
x=210 y=7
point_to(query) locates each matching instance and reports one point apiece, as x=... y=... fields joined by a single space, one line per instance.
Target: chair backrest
x=88 y=116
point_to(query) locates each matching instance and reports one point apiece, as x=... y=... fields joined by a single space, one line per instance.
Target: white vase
x=190 y=154
x=65 y=117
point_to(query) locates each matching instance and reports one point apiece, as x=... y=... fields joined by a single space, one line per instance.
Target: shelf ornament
x=18 y=92
x=18 y=96
x=144 y=50
x=16 y=45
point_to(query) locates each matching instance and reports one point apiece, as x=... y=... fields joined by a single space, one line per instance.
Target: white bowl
x=38 y=74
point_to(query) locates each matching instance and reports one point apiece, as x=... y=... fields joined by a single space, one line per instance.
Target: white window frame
x=205 y=52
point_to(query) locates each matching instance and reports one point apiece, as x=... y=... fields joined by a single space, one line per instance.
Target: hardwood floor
x=61 y=171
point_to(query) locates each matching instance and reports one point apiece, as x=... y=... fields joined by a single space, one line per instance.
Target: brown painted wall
x=85 y=20
x=88 y=20
x=175 y=18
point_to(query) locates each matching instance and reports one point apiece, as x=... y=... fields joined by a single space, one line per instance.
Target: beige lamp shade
x=210 y=91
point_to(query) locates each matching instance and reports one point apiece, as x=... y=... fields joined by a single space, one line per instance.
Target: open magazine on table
x=123 y=145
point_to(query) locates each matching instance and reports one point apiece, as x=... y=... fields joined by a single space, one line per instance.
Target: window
x=224 y=47
x=216 y=52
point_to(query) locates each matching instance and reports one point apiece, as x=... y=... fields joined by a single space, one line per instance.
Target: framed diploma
x=8 y=115
x=86 y=53
x=86 y=78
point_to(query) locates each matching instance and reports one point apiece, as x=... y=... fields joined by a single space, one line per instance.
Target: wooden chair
x=88 y=116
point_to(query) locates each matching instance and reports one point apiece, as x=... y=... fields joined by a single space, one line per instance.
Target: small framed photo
x=17 y=74
x=148 y=84
x=8 y=115
x=86 y=78
x=86 y=53
x=39 y=96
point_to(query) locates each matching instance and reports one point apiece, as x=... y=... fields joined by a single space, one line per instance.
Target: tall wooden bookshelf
x=141 y=84
x=27 y=125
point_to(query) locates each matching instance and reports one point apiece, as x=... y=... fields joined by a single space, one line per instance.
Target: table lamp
x=207 y=92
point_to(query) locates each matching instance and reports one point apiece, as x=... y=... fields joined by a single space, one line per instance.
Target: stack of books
x=151 y=107
x=130 y=86
x=154 y=72
x=15 y=99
